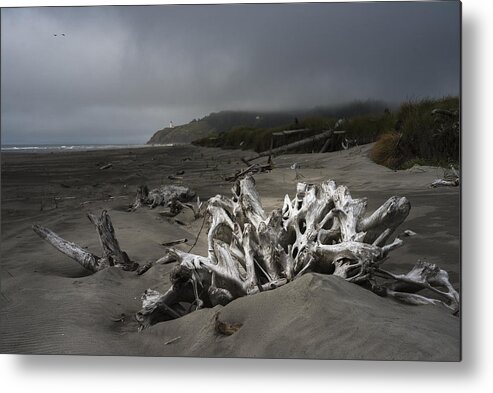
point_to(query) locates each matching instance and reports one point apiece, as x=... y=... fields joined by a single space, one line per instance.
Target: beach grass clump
x=249 y=138
x=426 y=136
x=385 y=151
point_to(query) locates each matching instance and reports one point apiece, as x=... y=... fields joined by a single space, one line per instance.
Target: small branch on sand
x=252 y=169
x=172 y=340
x=107 y=166
x=98 y=200
x=174 y=242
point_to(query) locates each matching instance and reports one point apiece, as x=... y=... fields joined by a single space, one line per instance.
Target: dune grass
x=408 y=136
x=367 y=129
x=384 y=151
x=421 y=137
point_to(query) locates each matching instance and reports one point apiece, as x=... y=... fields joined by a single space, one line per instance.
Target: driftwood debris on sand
x=161 y=196
x=322 y=230
x=451 y=178
x=172 y=196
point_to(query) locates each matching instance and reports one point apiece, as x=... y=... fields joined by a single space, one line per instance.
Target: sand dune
x=49 y=304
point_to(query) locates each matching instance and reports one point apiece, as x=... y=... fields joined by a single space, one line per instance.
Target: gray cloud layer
x=123 y=72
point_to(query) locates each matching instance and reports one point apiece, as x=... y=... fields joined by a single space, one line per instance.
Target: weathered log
x=112 y=254
x=445 y=112
x=290 y=132
x=322 y=229
x=87 y=260
x=291 y=146
x=444 y=183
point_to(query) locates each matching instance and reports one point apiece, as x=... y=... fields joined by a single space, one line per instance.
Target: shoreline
x=59 y=148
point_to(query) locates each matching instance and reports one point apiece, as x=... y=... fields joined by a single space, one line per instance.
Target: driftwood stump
x=322 y=229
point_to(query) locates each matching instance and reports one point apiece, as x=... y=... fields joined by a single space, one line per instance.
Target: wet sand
x=50 y=304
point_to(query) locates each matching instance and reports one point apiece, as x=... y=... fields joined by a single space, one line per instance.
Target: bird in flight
x=56 y=35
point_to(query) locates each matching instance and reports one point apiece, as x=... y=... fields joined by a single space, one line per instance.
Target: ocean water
x=57 y=148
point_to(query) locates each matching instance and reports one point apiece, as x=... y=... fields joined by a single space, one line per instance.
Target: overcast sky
x=121 y=73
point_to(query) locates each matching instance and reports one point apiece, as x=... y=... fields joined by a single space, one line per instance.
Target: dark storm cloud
x=123 y=72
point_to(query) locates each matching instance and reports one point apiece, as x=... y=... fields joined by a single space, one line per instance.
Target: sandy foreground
x=50 y=305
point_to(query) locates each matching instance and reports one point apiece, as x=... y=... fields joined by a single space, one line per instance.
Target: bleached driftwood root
x=451 y=178
x=322 y=229
x=162 y=196
x=112 y=254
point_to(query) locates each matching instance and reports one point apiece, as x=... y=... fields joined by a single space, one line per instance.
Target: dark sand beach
x=51 y=305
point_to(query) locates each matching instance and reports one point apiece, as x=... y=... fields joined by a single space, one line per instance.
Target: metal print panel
x=261 y=180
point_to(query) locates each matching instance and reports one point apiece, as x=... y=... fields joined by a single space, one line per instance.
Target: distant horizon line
x=392 y=105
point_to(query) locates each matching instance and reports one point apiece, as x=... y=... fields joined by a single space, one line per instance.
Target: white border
x=120 y=374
